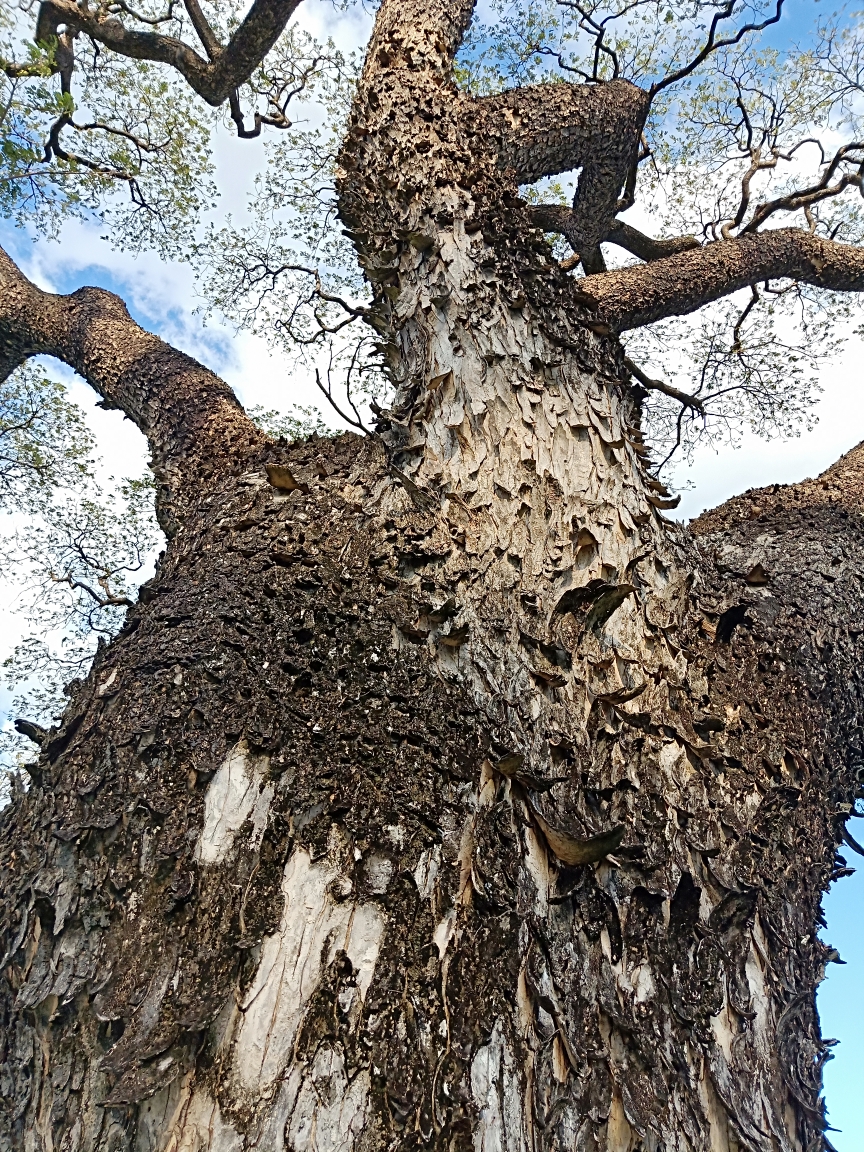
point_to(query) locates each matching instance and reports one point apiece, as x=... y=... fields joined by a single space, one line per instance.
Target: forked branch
x=213 y=78
x=713 y=43
x=546 y=129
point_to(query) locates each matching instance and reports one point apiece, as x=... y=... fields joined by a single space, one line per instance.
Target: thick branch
x=189 y=416
x=214 y=80
x=423 y=35
x=676 y=285
x=546 y=129
x=555 y=218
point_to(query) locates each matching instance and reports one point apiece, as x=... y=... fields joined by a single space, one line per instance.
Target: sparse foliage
x=77 y=566
x=44 y=440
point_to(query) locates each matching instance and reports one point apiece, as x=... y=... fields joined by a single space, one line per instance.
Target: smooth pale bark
x=439 y=792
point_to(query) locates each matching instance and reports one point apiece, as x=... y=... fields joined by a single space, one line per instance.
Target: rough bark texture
x=214 y=79
x=438 y=793
x=680 y=284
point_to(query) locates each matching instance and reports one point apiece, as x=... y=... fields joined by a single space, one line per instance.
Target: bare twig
x=712 y=44
x=683 y=398
x=327 y=391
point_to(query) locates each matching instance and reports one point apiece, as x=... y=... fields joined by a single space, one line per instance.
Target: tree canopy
x=751 y=123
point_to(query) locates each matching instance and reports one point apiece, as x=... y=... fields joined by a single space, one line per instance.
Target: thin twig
x=712 y=45
x=683 y=398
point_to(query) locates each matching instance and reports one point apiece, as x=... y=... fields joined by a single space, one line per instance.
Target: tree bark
x=214 y=79
x=438 y=792
x=677 y=285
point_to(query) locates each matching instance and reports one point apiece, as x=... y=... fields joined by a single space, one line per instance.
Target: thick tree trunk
x=438 y=793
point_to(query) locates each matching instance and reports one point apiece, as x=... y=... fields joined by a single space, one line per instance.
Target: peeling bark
x=453 y=798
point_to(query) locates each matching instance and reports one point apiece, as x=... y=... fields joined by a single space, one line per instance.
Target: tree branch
x=214 y=80
x=190 y=417
x=712 y=44
x=559 y=218
x=204 y=32
x=805 y=198
x=646 y=247
x=683 y=398
x=674 y=286
x=545 y=129
x=421 y=35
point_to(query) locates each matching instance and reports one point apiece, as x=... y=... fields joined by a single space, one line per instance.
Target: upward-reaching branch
x=713 y=44
x=213 y=79
x=190 y=417
x=550 y=128
x=422 y=36
x=674 y=286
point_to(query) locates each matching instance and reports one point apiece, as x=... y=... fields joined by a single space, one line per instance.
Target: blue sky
x=162 y=298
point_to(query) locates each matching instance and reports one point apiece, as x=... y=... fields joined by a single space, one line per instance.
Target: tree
x=438 y=791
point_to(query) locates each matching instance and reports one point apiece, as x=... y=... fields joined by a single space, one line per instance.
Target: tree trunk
x=438 y=793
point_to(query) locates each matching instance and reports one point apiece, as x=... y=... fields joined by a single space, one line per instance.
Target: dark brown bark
x=213 y=79
x=273 y=623
x=189 y=416
x=560 y=218
x=552 y=128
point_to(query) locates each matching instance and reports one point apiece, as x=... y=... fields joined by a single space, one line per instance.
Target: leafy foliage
x=754 y=137
x=74 y=548
x=530 y=41
x=79 y=547
x=291 y=274
x=300 y=423
x=44 y=440
x=753 y=133
x=78 y=564
x=125 y=146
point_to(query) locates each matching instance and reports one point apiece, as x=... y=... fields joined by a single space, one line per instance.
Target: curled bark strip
x=852 y=842
x=572 y=851
x=34 y=732
x=283 y=479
